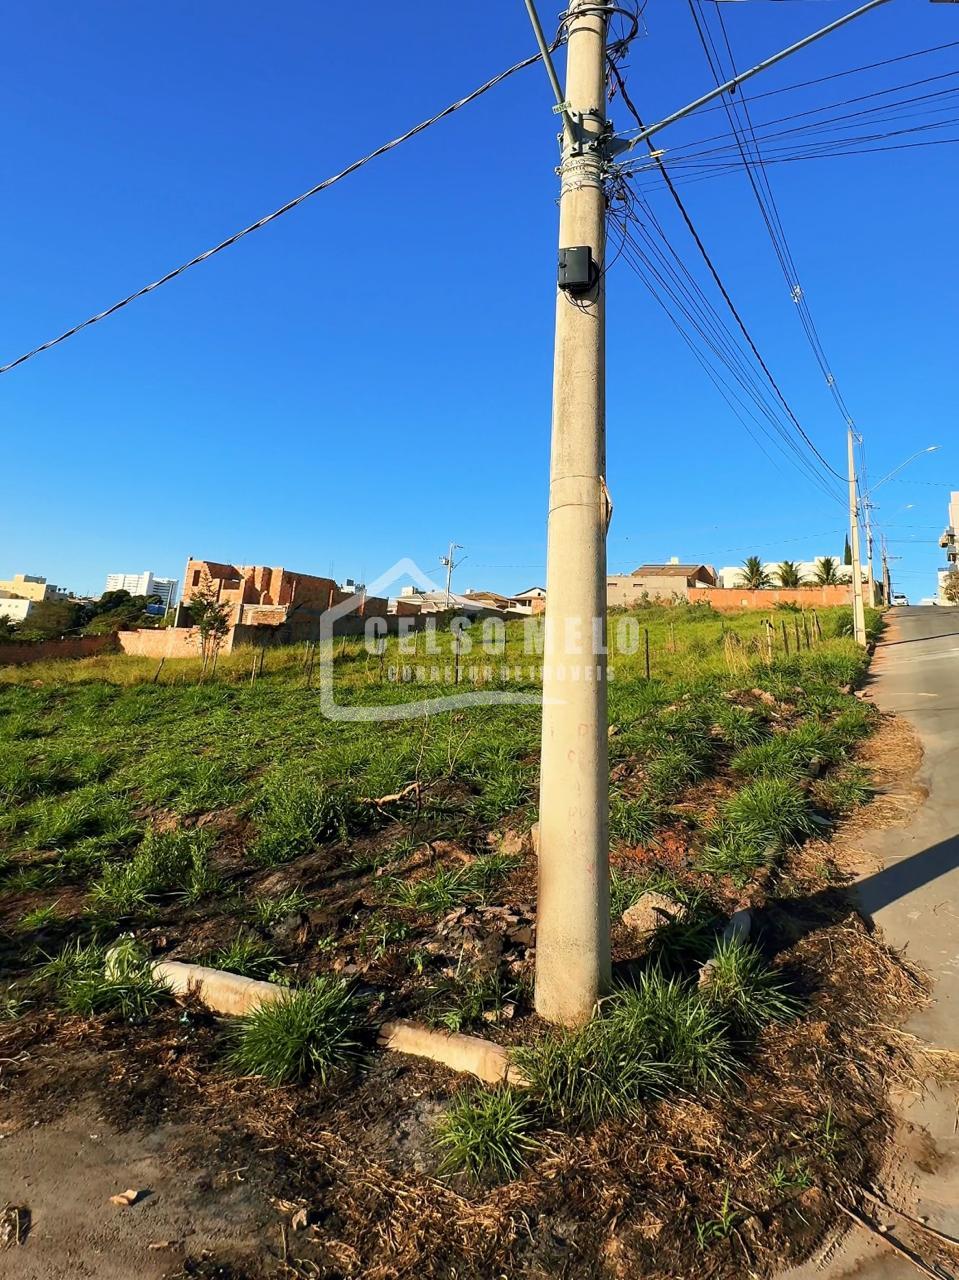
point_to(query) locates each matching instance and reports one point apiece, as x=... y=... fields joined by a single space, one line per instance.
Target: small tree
x=950 y=586
x=51 y=619
x=211 y=618
x=754 y=575
x=847 y=552
x=789 y=574
x=827 y=572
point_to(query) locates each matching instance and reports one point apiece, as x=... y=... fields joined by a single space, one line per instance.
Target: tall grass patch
x=312 y=1032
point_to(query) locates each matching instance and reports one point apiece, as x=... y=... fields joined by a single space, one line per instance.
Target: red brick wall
x=167 y=642
x=730 y=599
x=16 y=655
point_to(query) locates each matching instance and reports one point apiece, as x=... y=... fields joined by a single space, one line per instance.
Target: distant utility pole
x=870 y=573
x=450 y=564
x=858 y=608
x=886 y=579
x=572 y=922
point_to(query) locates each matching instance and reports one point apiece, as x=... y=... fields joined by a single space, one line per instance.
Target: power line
x=283 y=209
x=677 y=199
x=788 y=142
x=690 y=303
x=838 y=75
x=766 y=199
x=700 y=148
x=834 y=151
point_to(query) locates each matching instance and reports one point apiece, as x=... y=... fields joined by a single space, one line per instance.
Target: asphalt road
x=914 y=898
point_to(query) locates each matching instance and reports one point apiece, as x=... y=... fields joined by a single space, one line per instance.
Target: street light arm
x=745 y=75
x=895 y=471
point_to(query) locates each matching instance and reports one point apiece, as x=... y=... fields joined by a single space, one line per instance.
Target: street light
x=868 y=505
x=918 y=454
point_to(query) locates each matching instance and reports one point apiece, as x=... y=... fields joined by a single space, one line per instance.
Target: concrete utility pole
x=572 y=923
x=886 y=579
x=870 y=573
x=858 y=608
x=450 y=564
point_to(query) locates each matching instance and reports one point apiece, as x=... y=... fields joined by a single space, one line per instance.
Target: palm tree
x=754 y=575
x=789 y=574
x=827 y=572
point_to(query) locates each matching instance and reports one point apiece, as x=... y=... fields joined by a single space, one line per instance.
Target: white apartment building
x=14 y=608
x=144 y=584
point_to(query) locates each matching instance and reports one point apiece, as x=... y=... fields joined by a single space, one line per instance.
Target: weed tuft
x=486 y=1131
x=175 y=863
x=268 y=911
x=633 y=820
x=745 y=990
x=310 y=1032
x=246 y=955
x=85 y=984
x=446 y=888
x=844 y=791
x=658 y=1035
x=296 y=813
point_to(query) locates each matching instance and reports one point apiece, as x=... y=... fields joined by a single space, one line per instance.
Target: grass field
x=383 y=868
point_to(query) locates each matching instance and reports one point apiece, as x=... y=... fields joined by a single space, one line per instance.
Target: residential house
x=411 y=602
x=263 y=596
x=15 y=608
x=665 y=582
x=503 y=604
x=535 y=597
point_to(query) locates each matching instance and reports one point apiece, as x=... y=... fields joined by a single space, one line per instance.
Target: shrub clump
x=314 y=1031
x=745 y=990
x=486 y=1131
x=658 y=1035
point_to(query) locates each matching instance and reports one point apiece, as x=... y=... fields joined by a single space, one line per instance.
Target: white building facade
x=144 y=584
x=14 y=608
x=731 y=575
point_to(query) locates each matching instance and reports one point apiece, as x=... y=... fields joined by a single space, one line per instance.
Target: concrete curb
x=219 y=990
x=470 y=1054
x=234 y=995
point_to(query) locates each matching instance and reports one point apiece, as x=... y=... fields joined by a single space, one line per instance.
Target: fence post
x=156 y=674
x=805 y=628
x=769 y=641
x=785 y=637
x=815 y=617
x=798 y=640
x=646 y=637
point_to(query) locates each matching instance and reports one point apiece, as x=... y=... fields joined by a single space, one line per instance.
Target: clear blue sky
x=370 y=376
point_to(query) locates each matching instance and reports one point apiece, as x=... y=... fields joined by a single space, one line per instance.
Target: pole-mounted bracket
x=580 y=140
